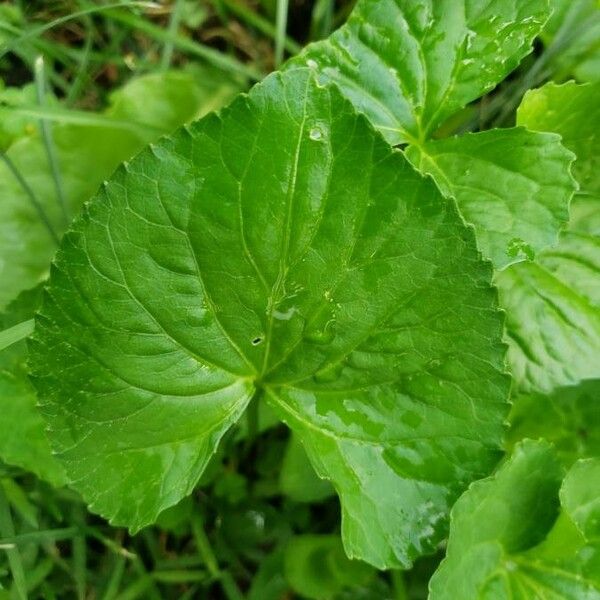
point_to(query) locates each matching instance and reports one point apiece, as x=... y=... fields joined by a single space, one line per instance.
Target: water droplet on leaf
x=316 y=134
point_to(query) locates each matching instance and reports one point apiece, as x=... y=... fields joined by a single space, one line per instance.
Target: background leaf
x=298 y=479
x=513 y=185
x=22 y=439
x=552 y=304
x=86 y=155
x=569 y=418
x=507 y=542
x=572 y=111
x=317 y=568
x=452 y=53
x=573 y=35
x=552 y=329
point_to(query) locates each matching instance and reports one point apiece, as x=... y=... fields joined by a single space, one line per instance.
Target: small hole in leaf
x=256 y=341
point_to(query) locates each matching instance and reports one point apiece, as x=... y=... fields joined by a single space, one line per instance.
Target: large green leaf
x=506 y=542
x=514 y=185
x=569 y=418
x=86 y=154
x=280 y=250
x=22 y=439
x=553 y=303
x=411 y=64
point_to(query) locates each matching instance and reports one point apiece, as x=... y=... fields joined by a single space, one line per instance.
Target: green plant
x=322 y=252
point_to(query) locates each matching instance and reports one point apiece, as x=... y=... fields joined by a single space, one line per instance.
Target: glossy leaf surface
x=513 y=185
x=409 y=65
x=279 y=247
x=507 y=541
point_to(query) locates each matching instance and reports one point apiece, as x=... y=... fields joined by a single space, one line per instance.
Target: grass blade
x=230 y=588
x=79 y=117
x=211 y=56
x=37 y=31
x=281 y=28
x=80 y=555
x=114 y=583
x=167 y=54
x=16 y=333
x=31 y=196
x=322 y=19
x=40 y=537
x=259 y=23
x=40 y=86
x=7 y=529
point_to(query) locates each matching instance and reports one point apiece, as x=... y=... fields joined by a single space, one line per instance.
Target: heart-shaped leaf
x=281 y=251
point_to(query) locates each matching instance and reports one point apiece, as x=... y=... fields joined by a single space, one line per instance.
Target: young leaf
x=514 y=185
x=280 y=248
x=86 y=155
x=411 y=64
x=506 y=543
x=22 y=439
x=569 y=418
